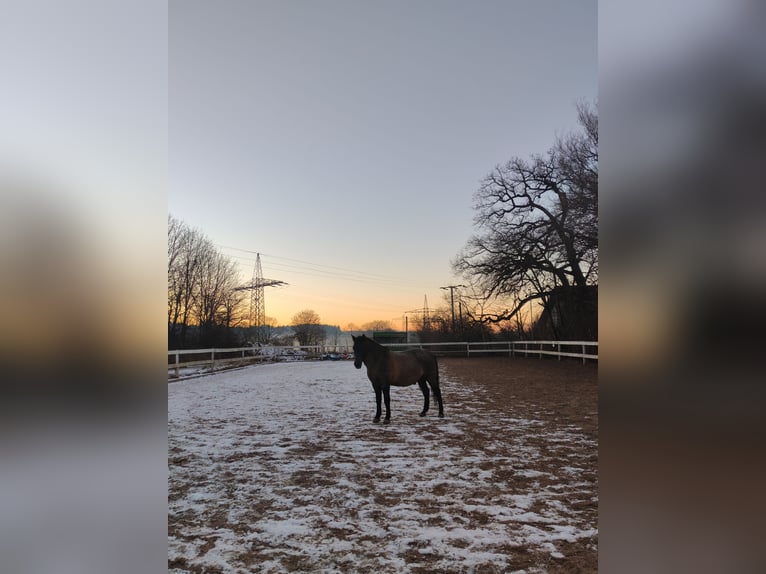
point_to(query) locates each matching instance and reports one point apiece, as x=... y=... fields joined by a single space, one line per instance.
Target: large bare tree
x=538 y=224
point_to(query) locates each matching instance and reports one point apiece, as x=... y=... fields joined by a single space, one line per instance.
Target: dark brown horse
x=400 y=369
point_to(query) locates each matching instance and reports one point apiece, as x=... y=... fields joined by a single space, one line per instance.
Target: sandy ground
x=562 y=395
x=278 y=468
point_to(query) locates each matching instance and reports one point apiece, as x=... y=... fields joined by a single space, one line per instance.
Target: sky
x=343 y=141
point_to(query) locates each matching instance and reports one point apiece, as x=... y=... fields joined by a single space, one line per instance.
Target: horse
x=386 y=368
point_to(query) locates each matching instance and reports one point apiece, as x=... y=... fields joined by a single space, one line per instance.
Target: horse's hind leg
x=424 y=389
x=438 y=394
x=387 y=400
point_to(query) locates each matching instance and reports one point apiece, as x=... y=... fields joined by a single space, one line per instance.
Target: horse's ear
x=353 y=338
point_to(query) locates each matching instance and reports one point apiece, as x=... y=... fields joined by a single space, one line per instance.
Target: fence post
x=212 y=359
x=583 y=354
x=177 y=366
x=558 y=350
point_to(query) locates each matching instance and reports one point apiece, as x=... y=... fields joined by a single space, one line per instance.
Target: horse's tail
x=436 y=370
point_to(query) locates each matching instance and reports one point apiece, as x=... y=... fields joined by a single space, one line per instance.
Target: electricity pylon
x=258 y=299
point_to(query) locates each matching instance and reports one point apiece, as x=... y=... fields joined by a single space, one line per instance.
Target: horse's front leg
x=387 y=399
x=378 y=393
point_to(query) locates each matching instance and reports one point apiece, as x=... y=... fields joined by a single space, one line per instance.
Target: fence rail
x=216 y=358
x=576 y=349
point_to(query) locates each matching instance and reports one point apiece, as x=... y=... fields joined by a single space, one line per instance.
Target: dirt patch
x=558 y=392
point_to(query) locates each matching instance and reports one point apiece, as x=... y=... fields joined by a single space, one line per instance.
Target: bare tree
x=201 y=288
x=216 y=300
x=538 y=224
x=307 y=327
x=176 y=233
x=232 y=312
x=577 y=158
x=187 y=249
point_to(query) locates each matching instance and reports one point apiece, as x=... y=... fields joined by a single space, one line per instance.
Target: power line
x=332 y=274
x=321 y=270
x=345 y=269
x=329 y=274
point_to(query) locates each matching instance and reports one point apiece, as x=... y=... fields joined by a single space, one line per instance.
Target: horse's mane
x=371 y=342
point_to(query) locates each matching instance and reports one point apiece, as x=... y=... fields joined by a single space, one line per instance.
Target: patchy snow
x=279 y=468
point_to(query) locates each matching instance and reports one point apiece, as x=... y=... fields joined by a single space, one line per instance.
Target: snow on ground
x=279 y=468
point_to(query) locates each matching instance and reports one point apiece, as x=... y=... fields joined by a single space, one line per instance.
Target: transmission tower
x=258 y=299
x=424 y=312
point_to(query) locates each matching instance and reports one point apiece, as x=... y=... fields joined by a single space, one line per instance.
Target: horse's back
x=426 y=358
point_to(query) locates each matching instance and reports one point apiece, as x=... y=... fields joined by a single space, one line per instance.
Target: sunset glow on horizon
x=344 y=297
x=339 y=295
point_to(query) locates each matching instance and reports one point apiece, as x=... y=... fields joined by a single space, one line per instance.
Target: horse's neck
x=378 y=349
x=376 y=357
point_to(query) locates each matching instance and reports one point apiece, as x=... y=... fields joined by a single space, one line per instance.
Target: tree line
x=203 y=300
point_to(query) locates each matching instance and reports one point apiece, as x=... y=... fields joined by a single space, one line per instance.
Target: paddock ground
x=279 y=468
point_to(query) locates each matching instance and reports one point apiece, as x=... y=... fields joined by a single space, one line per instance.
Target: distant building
x=389 y=337
x=570 y=313
x=382 y=337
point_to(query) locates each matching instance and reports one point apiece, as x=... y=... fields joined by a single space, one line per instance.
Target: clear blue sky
x=344 y=140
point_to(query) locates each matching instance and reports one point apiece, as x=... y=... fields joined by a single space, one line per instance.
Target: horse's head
x=359 y=349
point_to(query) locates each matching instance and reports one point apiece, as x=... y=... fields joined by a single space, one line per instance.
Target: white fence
x=577 y=349
x=210 y=359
